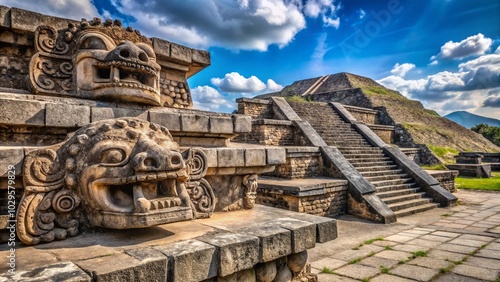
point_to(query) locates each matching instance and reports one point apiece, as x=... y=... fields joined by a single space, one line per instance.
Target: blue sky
x=444 y=53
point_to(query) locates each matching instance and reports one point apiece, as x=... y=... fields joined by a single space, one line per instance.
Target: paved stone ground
x=460 y=243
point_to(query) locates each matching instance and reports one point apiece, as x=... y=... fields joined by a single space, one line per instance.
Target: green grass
x=402 y=261
x=385 y=270
x=419 y=254
x=371 y=254
x=435 y=167
x=388 y=248
x=365 y=280
x=297 y=98
x=446 y=214
x=355 y=260
x=443 y=152
x=491 y=184
x=368 y=242
x=327 y=270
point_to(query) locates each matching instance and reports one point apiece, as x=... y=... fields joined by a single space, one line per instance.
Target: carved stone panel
x=122 y=173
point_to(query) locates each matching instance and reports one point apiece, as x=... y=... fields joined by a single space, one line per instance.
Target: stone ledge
x=359 y=109
x=183 y=251
x=302 y=187
x=271 y=122
x=250 y=100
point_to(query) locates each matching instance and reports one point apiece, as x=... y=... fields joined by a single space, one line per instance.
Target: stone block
x=62 y=115
x=98 y=114
x=122 y=267
x=235 y=251
x=303 y=233
x=27 y=21
x=190 y=260
x=4 y=16
x=61 y=271
x=221 y=125
x=17 y=112
x=201 y=57
x=242 y=124
x=157 y=261
x=11 y=157
x=415 y=272
x=194 y=123
x=230 y=157
x=211 y=154
x=326 y=228
x=276 y=156
x=180 y=53
x=255 y=157
x=275 y=242
x=170 y=120
x=161 y=47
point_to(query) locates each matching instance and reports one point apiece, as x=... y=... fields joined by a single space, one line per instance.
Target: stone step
x=372 y=164
x=416 y=209
x=408 y=204
x=391 y=182
x=387 y=177
x=357 y=155
x=368 y=159
x=347 y=142
x=381 y=172
x=403 y=198
x=399 y=192
x=376 y=168
x=387 y=188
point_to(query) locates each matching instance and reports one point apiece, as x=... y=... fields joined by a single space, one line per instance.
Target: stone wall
x=301 y=162
x=269 y=132
x=367 y=116
x=331 y=203
x=386 y=133
x=256 y=108
x=446 y=178
x=412 y=153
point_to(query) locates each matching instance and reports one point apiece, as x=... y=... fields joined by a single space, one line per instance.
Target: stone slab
x=236 y=251
x=394 y=255
x=194 y=123
x=13 y=156
x=276 y=156
x=190 y=260
x=221 y=125
x=483 y=262
x=255 y=157
x=430 y=262
x=358 y=271
x=476 y=272
x=444 y=255
x=275 y=242
x=230 y=157
x=170 y=120
x=19 y=112
x=180 y=53
x=62 y=115
x=201 y=57
x=302 y=187
x=122 y=267
x=27 y=21
x=390 y=278
x=493 y=254
x=415 y=272
x=331 y=263
x=325 y=277
x=104 y=113
x=242 y=124
x=456 y=248
x=211 y=154
x=452 y=277
x=378 y=262
x=303 y=234
x=61 y=271
x=161 y=47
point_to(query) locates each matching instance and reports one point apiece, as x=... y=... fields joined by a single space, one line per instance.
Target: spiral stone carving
x=64 y=201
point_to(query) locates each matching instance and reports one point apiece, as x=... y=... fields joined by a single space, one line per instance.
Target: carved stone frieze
x=123 y=173
x=251 y=184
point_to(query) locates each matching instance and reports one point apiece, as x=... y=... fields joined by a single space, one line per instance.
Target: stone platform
x=267 y=243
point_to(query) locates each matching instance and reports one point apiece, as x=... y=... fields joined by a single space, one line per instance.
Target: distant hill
x=469 y=120
x=418 y=126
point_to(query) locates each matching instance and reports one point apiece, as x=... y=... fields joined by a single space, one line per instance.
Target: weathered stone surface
x=236 y=251
x=4 y=17
x=102 y=113
x=276 y=156
x=62 y=271
x=169 y=120
x=161 y=47
x=296 y=262
x=476 y=272
x=194 y=123
x=24 y=20
x=230 y=157
x=190 y=260
x=123 y=267
x=275 y=242
x=61 y=115
x=284 y=275
x=358 y=271
x=18 y=112
x=180 y=53
x=255 y=157
x=11 y=157
x=242 y=124
x=266 y=272
x=221 y=125
x=201 y=57
x=211 y=154
x=415 y=272
x=157 y=264
x=303 y=234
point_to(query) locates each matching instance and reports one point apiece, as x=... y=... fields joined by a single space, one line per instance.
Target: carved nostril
x=143 y=57
x=150 y=162
x=124 y=53
x=175 y=160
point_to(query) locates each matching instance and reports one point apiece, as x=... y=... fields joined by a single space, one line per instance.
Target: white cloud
x=324 y=8
x=361 y=13
x=402 y=70
x=209 y=99
x=73 y=9
x=236 y=83
x=472 y=45
x=469 y=87
x=245 y=25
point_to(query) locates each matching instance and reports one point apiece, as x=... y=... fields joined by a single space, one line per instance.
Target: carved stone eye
x=93 y=43
x=112 y=156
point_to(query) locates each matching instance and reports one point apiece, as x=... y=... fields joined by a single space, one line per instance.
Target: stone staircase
x=394 y=187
